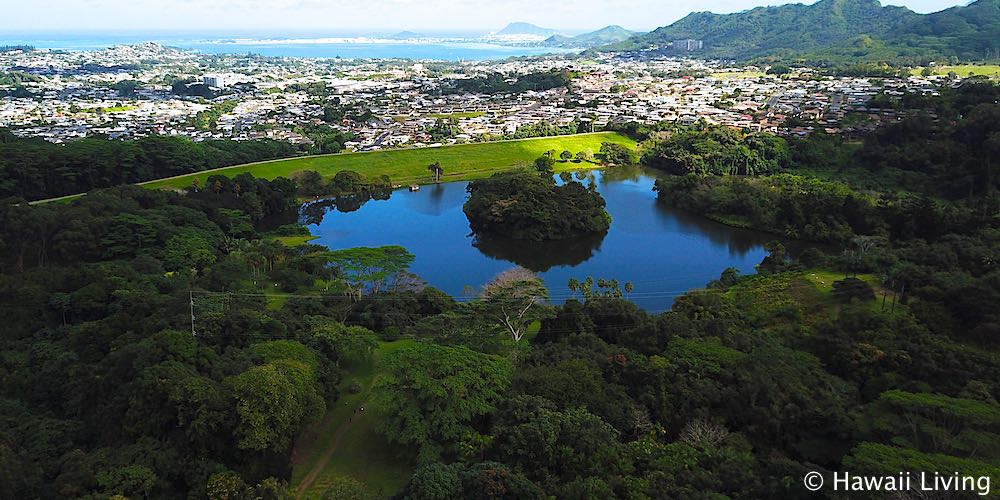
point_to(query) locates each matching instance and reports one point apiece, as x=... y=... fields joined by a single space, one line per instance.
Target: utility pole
x=191 y=303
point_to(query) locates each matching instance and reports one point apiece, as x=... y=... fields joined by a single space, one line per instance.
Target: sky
x=364 y=15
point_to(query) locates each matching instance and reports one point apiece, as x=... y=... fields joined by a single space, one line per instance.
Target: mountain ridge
x=607 y=34
x=523 y=28
x=835 y=29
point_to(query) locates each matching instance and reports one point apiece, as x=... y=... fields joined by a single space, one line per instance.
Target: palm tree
x=587 y=286
x=243 y=245
x=256 y=261
x=436 y=171
x=274 y=251
x=228 y=243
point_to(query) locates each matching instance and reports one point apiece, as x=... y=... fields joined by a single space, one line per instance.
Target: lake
x=662 y=251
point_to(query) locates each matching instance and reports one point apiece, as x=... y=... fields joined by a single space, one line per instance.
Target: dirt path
x=321 y=445
x=317 y=469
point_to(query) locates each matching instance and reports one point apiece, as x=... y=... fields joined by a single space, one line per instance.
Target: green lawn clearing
x=344 y=444
x=458 y=115
x=737 y=75
x=797 y=297
x=295 y=241
x=963 y=70
x=409 y=166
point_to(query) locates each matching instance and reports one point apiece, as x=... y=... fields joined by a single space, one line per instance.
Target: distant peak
x=868 y=3
x=406 y=35
x=523 y=28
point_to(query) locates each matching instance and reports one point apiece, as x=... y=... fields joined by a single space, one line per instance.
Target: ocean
x=439 y=46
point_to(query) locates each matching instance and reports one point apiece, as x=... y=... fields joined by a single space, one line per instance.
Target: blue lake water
x=663 y=251
x=311 y=45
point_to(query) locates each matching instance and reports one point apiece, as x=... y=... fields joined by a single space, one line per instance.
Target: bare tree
x=702 y=433
x=408 y=282
x=640 y=420
x=862 y=245
x=514 y=298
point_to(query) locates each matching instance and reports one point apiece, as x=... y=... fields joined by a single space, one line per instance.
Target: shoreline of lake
x=663 y=251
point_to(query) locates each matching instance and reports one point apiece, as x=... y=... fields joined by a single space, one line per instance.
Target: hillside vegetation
x=608 y=34
x=36 y=169
x=837 y=30
x=162 y=345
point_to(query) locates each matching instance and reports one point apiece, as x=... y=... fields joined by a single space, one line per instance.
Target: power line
x=651 y=294
x=191 y=301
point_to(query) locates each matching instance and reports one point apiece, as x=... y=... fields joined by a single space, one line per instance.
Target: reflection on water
x=436 y=199
x=663 y=251
x=738 y=241
x=314 y=211
x=540 y=256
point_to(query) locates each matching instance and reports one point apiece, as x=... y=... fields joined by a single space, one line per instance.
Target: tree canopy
x=526 y=206
x=35 y=169
x=434 y=392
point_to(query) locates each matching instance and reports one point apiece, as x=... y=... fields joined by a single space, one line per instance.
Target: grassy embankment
x=409 y=166
x=344 y=444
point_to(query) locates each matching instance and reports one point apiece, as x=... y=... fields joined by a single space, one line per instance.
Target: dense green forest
x=876 y=357
x=719 y=151
x=526 y=206
x=497 y=83
x=17 y=78
x=837 y=31
x=37 y=169
x=935 y=169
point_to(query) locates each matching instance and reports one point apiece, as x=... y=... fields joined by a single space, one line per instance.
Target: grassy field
x=823 y=281
x=458 y=116
x=737 y=75
x=803 y=297
x=294 y=241
x=885 y=181
x=409 y=166
x=345 y=445
x=112 y=109
x=963 y=70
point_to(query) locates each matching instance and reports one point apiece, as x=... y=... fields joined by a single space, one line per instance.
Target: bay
x=445 y=46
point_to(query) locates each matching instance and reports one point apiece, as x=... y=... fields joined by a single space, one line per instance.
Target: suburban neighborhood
x=132 y=91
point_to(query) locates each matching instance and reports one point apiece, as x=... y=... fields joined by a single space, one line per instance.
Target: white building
x=222 y=80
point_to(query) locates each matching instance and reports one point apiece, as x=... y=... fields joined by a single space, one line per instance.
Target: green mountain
x=969 y=32
x=606 y=35
x=835 y=30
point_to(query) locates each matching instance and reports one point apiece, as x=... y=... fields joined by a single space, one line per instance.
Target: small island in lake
x=526 y=206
